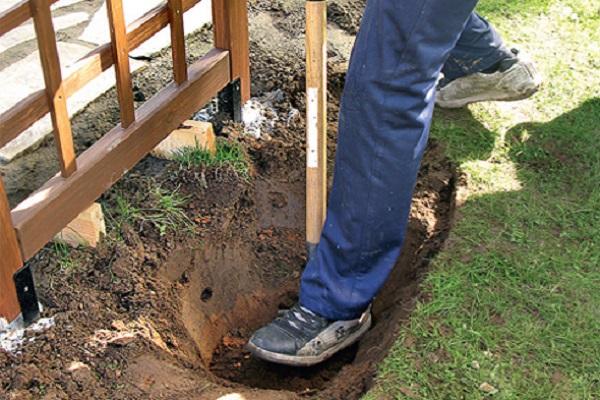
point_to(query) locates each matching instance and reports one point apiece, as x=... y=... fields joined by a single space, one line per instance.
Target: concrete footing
x=85 y=230
x=189 y=134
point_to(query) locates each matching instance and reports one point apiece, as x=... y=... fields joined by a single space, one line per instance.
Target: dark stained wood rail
x=35 y=221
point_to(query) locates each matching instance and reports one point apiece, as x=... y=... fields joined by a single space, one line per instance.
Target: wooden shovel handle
x=316 y=120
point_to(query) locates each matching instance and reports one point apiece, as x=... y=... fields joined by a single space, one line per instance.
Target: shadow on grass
x=518 y=277
x=568 y=143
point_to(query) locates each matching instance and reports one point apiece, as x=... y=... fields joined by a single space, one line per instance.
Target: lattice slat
x=23 y=115
x=57 y=100
x=120 y=51
x=177 y=41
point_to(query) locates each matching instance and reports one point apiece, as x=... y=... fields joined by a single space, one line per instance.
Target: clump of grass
x=229 y=154
x=168 y=215
x=165 y=212
x=62 y=252
x=126 y=212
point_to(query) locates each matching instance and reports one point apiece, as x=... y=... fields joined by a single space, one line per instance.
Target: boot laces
x=301 y=322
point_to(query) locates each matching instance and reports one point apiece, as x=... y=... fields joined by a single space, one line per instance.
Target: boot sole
x=307 y=361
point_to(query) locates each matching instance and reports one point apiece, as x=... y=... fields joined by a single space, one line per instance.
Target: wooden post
x=177 y=41
x=11 y=261
x=57 y=101
x=120 y=49
x=316 y=121
x=230 y=24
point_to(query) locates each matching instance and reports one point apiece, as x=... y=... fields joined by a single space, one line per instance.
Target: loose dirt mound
x=164 y=311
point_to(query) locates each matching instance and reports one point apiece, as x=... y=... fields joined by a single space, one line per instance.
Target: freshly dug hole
x=250 y=278
x=191 y=301
x=188 y=303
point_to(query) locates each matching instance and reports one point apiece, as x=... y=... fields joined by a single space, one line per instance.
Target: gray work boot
x=298 y=337
x=513 y=78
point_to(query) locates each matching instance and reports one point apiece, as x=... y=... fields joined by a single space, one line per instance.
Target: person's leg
x=384 y=123
x=482 y=68
x=479 y=48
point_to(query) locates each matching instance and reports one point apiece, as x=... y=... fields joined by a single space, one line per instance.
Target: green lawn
x=514 y=298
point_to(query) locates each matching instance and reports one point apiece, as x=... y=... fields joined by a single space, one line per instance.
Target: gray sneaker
x=299 y=337
x=515 y=79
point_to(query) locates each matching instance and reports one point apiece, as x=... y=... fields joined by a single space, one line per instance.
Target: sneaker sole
x=307 y=361
x=499 y=94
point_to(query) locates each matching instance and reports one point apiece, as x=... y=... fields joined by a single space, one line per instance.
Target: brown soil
x=349 y=374
x=160 y=317
x=166 y=316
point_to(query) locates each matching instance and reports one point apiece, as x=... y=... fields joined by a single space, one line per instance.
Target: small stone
x=80 y=372
x=77 y=365
x=487 y=388
x=122 y=339
x=139 y=96
x=475 y=364
x=118 y=325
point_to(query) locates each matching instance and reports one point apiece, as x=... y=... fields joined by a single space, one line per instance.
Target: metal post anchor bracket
x=230 y=100
x=26 y=294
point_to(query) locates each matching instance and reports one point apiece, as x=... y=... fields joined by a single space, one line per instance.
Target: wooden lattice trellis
x=25 y=229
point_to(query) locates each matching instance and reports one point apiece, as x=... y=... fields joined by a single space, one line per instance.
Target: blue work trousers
x=384 y=121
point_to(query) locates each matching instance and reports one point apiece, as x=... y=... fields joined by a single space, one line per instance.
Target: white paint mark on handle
x=312 y=127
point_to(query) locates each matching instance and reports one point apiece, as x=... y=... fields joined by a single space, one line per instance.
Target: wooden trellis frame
x=25 y=229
